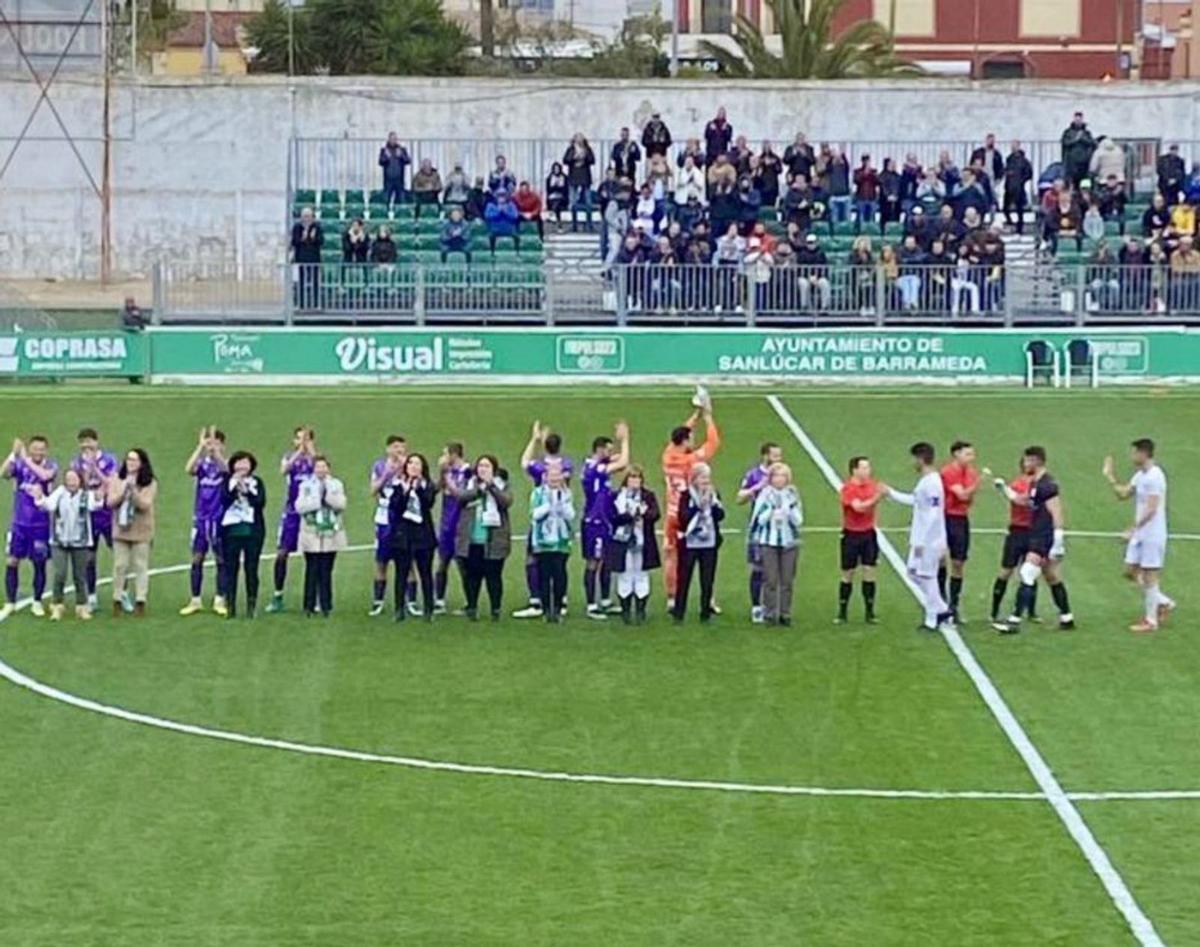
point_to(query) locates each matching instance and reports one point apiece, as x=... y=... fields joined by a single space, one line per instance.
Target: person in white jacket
x=689 y=181
x=927 y=536
x=71 y=541
x=775 y=530
x=320 y=503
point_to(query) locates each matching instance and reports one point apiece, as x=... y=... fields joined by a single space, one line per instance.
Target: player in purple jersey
x=33 y=473
x=544 y=446
x=208 y=465
x=453 y=474
x=296 y=467
x=598 y=517
x=384 y=472
x=756 y=478
x=95 y=467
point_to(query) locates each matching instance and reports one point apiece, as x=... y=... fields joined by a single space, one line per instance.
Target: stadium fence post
x=750 y=294
x=548 y=299
x=1080 y=294
x=880 y=297
x=156 y=294
x=620 y=281
x=289 y=293
x=419 y=296
x=1009 y=305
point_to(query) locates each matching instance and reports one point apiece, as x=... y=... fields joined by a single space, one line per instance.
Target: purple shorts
x=595 y=537
x=102 y=528
x=383 y=546
x=206 y=537
x=29 y=542
x=289 y=532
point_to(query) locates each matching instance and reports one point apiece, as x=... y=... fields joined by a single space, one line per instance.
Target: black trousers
x=318 y=581
x=689 y=561
x=404 y=560
x=478 y=571
x=241 y=552
x=552 y=579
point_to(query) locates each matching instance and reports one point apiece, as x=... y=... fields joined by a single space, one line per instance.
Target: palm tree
x=810 y=50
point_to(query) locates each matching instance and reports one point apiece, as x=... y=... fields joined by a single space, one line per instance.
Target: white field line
x=1139 y=923
x=20 y=679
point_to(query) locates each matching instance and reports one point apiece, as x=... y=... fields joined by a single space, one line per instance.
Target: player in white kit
x=1146 y=550
x=927 y=536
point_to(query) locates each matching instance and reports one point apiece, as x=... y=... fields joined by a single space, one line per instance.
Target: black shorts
x=859 y=549
x=1040 y=544
x=958 y=537
x=1016 y=544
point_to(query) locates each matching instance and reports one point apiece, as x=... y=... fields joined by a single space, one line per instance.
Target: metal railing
x=772 y=294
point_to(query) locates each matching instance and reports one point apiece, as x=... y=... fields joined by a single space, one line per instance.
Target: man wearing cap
x=656 y=137
x=813 y=267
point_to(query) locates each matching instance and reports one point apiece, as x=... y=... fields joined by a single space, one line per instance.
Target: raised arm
x=621 y=460
x=534 y=445
x=712 y=438
x=10 y=461
x=1122 y=491
x=194 y=459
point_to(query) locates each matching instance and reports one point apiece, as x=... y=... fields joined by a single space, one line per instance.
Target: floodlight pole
x=675 y=37
x=106 y=169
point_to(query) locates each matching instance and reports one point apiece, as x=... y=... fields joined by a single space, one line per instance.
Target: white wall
x=200 y=166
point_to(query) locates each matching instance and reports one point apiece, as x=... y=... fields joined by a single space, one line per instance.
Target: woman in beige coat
x=320 y=503
x=131 y=496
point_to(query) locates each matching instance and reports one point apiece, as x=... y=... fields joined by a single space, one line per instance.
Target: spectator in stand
x=1157 y=275
x=529 y=203
x=625 y=156
x=766 y=240
x=911 y=175
x=383 y=248
x=1064 y=220
x=656 y=137
x=558 y=196
x=307 y=239
x=1077 y=148
x=890 y=202
x=889 y=273
x=1171 y=174
x=579 y=160
x=427 y=186
x=820 y=172
x=988 y=156
x=1191 y=186
x=1111 y=201
x=690 y=181
x=1018 y=172
x=718 y=134
x=477 y=201
x=862 y=275
x=456 y=235
x=1104 y=288
x=458 y=188
x=991 y=259
x=1108 y=160
x=798 y=204
x=767 y=175
x=912 y=262
x=947 y=228
x=740 y=155
x=983 y=181
x=355 y=243
x=660 y=177
x=679 y=238
x=971 y=196
x=132 y=317
x=693 y=149
x=939 y=269
x=394 y=160
x=720 y=174
x=931 y=192
x=1157 y=218
x=838 y=170
x=645 y=210
x=948 y=173
x=731 y=248
x=616 y=224
x=690 y=214
x=799 y=157
x=919 y=225
x=501 y=179
x=866 y=193
x=1183 y=224
x=502 y=221
x=1185 y=275
x=813 y=269
x=964 y=283
x=1049 y=199
x=749 y=201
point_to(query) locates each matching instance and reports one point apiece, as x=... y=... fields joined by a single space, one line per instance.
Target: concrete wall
x=200 y=166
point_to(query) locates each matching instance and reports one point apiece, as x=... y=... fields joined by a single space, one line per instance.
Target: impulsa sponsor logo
x=366 y=353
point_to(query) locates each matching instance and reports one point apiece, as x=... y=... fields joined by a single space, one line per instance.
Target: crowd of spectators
x=784 y=216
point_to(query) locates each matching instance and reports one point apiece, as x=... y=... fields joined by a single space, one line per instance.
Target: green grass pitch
x=114 y=833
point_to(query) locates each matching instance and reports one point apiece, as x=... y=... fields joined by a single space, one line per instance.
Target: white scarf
x=240 y=510
x=702 y=528
x=489 y=509
x=412 y=509
x=630 y=503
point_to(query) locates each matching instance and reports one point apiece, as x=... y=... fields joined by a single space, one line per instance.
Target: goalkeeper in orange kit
x=678 y=459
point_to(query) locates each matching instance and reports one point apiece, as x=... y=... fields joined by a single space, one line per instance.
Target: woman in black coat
x=243 y=529
x=700 y=516
x=412 y=535
x=632 y=552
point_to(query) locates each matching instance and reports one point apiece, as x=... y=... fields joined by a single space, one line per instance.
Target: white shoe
x=594 y=611
x=126 y=603
x=57 y=612
x=757 y=614
x=530 y=611
x=6 y=610
x=37 y=609
x=415 y=610
x=439 y=607
x=376 y=610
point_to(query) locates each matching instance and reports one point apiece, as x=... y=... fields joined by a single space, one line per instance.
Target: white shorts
x=1146 y=553
x=927 y=565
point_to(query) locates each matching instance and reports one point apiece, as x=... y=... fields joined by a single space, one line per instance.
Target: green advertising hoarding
x=73 y=354
x=531 y=354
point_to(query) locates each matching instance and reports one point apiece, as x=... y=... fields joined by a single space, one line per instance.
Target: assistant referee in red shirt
x=960 y=479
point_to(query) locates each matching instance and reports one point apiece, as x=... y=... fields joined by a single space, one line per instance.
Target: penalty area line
x=1139 y=922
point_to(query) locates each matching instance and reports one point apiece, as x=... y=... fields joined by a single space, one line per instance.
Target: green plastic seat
x=304 y=195
x=330 y=196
